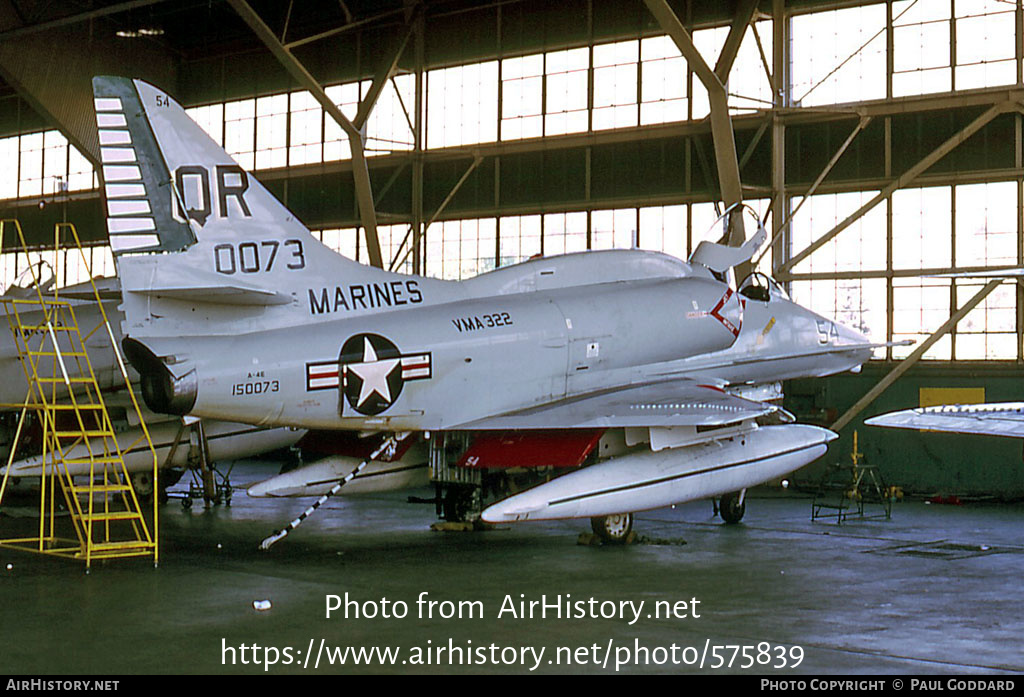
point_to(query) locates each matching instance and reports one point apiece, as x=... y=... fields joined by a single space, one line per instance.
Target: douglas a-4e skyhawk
x=651 y=372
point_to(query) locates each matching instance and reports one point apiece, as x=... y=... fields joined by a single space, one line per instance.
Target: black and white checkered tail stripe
x=388 y=448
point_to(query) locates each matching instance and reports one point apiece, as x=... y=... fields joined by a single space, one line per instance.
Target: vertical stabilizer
x=202 y=248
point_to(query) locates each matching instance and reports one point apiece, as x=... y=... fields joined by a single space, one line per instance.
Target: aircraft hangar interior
x=512 y=336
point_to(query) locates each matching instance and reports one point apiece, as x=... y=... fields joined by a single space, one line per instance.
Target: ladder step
x=113 y=515
x=119 y=553
x=76 y=380
x=100 y=489
x=123 y=544
x=54 y=354
x=87 y=434
x=33 y=328
x=74 y=407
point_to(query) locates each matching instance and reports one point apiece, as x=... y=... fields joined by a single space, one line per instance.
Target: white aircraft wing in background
x=996 y=419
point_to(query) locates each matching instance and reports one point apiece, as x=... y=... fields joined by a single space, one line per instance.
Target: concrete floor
x=935 y=590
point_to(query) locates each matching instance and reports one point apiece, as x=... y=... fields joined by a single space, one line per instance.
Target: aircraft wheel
x=613 y=529
x=142 y=482
x=731 y=509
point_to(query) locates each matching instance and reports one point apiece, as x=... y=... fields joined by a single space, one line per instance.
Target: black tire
x=731 y=509
x=613 y=529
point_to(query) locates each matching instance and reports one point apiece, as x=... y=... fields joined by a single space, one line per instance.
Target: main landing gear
x=613 y=529
x=732 y=506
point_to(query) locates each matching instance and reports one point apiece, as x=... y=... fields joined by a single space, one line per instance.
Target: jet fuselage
x=439 y=366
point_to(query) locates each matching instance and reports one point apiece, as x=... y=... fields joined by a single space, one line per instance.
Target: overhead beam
x=360 y=170
x=721 y=123
x=910 y=360
x=903 y=180
x=76 y=18
x=778 y=77
x=385 y=73
x=740 y=21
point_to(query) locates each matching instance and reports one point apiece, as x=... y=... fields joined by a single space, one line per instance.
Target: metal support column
x=721 y=123
x=360 y=170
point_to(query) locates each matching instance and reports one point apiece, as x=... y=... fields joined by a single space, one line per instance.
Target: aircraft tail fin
x=168 y=185
x=188 y=226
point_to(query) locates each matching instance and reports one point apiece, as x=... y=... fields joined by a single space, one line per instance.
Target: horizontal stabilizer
x=995 y=419
x=223 y=294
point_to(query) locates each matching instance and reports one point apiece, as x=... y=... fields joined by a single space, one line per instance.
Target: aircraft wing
x=661 y=404
x=996 y=419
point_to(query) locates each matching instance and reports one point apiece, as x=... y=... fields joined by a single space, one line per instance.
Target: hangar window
x=81 y=175
x=522 y=97
x=458 y=249
x=210 y=118
x=30 y=182
x=462 y=105
x=663 y=81
x=989 y=331
x=344 y=241
x=565 y=91
x=42 y=164
x=663 y=229
x=921 y=47
x=984 y=43
x=272 y=131
x=565 y=233
x=861 y=247
x=614 y=229
x=240 y=131
x=922 y=225
x=986 y=224
x=305 y=136
x=391 y=238
x=919 y=307
x=519 y=238
x=838 y=56
x=55 y=161
x=101 y=261
x=9 y=173
x=615 y=85
x=924 y=37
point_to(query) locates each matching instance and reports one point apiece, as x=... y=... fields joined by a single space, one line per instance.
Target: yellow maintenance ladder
x=77 y=432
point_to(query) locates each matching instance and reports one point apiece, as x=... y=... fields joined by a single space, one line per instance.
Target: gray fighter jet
x=657 y=371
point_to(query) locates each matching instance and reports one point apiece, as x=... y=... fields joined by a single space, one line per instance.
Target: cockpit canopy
x=759 y=286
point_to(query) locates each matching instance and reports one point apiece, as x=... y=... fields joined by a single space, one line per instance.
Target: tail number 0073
x=254 y=257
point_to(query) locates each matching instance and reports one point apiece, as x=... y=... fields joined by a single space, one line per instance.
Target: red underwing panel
x=350 y=443
x=503 y=449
